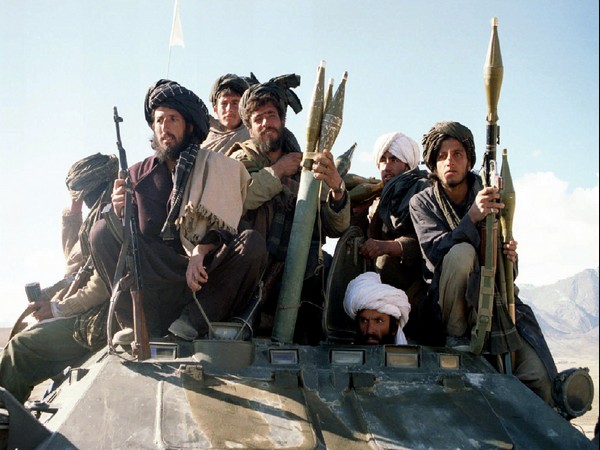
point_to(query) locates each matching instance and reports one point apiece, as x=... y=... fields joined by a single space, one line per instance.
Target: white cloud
x=557 y=230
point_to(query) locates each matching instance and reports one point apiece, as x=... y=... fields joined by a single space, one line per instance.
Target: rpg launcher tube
x=332 y=117
x=288 y=304
x=296 y=258
x=351 y=180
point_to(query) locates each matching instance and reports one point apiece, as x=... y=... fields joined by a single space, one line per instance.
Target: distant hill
x=568 y=312
x=567 y=306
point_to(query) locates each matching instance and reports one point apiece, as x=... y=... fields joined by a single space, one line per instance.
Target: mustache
x=368 y=337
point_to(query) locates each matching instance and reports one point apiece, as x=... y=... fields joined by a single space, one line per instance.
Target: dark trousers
x=234 y=270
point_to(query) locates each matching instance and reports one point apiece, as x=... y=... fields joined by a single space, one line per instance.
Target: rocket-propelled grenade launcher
x=323 y=126
x=492 y=77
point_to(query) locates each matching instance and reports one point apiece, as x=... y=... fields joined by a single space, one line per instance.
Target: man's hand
x=76 y=206
x=373 y=248
x=196 y=274
x=287 y=165
x=43 y=310
x=510 y=250
x=118 y=197
x=485 y=203
x=324 y=169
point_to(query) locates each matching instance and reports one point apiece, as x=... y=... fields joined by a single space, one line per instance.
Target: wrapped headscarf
x=171 y=94
x=278 y=89
x=228 y=81
x=91 y=175
x=401 y=146
x=366 y=291
x=444 y=130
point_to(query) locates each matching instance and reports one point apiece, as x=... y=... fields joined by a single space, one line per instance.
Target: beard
x=170 y=152
x=267 y=143
x=450 y=184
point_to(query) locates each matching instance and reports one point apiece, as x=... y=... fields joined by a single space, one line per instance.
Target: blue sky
x=410 y=64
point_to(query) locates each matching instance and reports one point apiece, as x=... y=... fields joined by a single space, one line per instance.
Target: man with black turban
x=44 y=349
x=188 y=202
x=227 y=128
x=446 y=216
x=272 y=157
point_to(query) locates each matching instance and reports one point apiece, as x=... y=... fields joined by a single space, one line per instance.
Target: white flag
x=176 y=31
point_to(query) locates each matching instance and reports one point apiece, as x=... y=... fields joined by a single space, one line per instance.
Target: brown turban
x=277 y=89
x=228 y=81
x=444 y=130
x=171 y=94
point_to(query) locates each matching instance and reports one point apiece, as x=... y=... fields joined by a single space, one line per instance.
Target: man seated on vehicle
x=380 y=310
x=272 y=157
x=78 y=313
x=188 y=205
x=391 y=241
x=226 y=128
x=446 y=216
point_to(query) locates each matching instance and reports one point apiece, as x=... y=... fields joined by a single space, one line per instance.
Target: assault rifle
x=129 y=261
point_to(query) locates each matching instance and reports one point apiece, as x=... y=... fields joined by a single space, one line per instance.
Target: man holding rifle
x=446 y=217
x=188 y=202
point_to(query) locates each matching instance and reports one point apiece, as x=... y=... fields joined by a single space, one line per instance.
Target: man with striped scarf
x=188 y=202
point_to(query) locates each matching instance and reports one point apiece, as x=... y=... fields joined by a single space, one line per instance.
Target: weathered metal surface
x=306 y=401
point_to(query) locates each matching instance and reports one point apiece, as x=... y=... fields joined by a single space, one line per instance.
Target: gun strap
x=484 y=310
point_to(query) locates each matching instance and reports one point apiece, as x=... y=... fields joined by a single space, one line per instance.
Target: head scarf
x=444 y=130
x=278 y=89
x=401 y=146
x=171 y=94
x=90 y=175
x=366 y=291
x=228 y=81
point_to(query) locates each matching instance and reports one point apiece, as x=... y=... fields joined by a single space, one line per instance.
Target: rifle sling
x=484 y=311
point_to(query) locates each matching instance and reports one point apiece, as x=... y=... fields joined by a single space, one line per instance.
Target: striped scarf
x=184 y=166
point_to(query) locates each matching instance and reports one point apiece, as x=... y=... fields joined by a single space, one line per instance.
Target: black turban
x=91 y=175
x=229 y=81
x=171 y=94
x=444 y=130
x=277 y=89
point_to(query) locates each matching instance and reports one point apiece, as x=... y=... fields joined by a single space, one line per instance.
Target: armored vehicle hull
x=260 y=394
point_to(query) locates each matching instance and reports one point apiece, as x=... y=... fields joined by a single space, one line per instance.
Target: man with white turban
x=391 y=239
x=380 y=310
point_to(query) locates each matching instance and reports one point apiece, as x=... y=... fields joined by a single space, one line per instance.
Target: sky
x=65 y=65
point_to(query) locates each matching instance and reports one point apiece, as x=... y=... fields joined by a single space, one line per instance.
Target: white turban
x=367 y=291
x=399 y=145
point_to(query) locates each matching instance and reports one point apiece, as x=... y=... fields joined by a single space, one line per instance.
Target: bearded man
x=381 y=311
x=188 y=203
x=272 y=157
x=227 y=127
x=446 y=216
